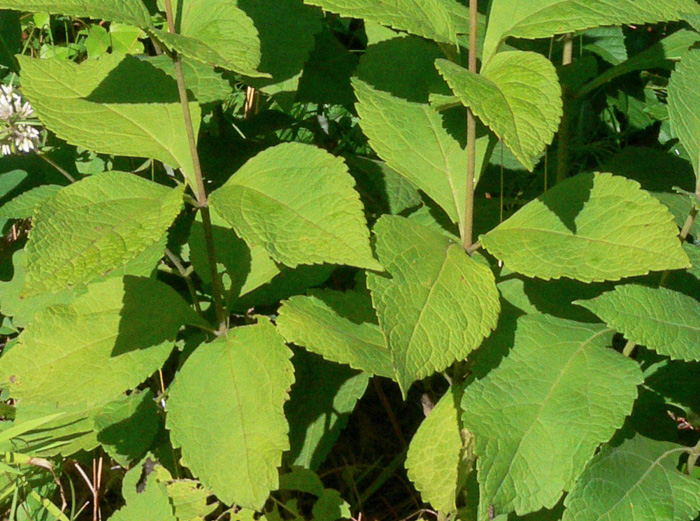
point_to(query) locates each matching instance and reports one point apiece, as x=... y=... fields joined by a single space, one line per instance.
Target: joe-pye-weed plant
x=334 y=259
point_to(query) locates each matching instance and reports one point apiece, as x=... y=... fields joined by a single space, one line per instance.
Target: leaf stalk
x=468 y=225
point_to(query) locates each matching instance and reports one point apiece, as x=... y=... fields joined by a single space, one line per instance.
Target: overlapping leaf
x=22 y=206
x=217 y=32
x=226 y=412
x=105 y=342
x=132 y=12
x=683 y=103
x=88 y=229
x=435 y=303
x=433 y=19
x=545 y=18
x=658 y=318
x=298 y=202
x=435 y=454
x=115 y=105
x=517 y=95
x=339 y=326
x=592 y=227
x=636 y=481
x=539 y=417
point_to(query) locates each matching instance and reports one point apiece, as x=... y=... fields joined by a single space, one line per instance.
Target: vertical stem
x=468 y=226
x=565 y=126
x=202 y=200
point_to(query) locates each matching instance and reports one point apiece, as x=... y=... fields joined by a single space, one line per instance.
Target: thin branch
x=185 y=274
x=566 y=118
x=57 y=167
x=468 y=225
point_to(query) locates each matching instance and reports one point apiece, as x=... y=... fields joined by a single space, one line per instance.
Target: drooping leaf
x=435 y=455
x=298 y=202
x=88 y=229
x=540 y=415
x=432 y=19
x=132 y=12
x=636 y=481
x=517 y=95
x=322 y=398
x=435 y=304
x=592 y=227
x=683 y=103
x=437 y=166
x=22 y=206
x=339 y=326
x=105 y=342
x=218 y=407
x=658 y=318
x=545 y=18
x=216 y=32
x=115 y=105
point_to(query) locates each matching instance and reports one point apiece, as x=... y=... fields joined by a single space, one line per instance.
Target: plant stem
x=57 y=167
x=693 y=458
x=185 y=274
x=202 y=200
x=565 y=125
x=468 y=225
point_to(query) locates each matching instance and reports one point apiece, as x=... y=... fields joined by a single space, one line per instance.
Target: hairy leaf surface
x=226 y=412
x=115 y=105
x=88 y=229
x=105 y=342
x=658 y=318
x=636 y=481
x=517 y=95
x=435 y=304
x=540 y=415
x=592 y=227
x=545 y=18
x=298 y=202
x=339 y=326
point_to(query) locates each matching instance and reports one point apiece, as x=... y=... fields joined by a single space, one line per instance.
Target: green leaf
x=683 y=104
x=435 y=455
x=232 y=429
x=127 y=427
x=320 y=403
x=105 y=342
x=88 y=229
x=132 y=12
x=517 y=95
x=189 y=500
x=206 y=85
x=298 y=202
x=411 y=138
x=663 y=320
x=636 y=481
x=592 y=227
x=339 y=326
x=540 y=415
x=115 y=105
x=148 y=501
x=432 y=19
x=545 y=18
x=435 y=303
x=22 y=206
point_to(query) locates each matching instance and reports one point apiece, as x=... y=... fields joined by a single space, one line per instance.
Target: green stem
x=57 y=167
x=693 y=458
x=565 y=125
x=202 y=200
x=185 y=274
x=468 y=225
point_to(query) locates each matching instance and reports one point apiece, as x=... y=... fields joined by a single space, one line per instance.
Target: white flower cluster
x=17 y=123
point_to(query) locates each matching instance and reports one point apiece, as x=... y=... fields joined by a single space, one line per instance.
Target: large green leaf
x=105 y=342
x=226 y=412
x=636 y=481
x=684 y=105
x=216 y=32
x=517 y=95
x=433 y=19
x=592 y=227
x=115 y=105
x=412 y=140
x=88 y=229
x=540 y=415
x=435 y=303
x=132 y=12
x=298 y=202
x=545 y=18
x=435 y=455
x=658 y=318
x=22 y=206
x=339 y=326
